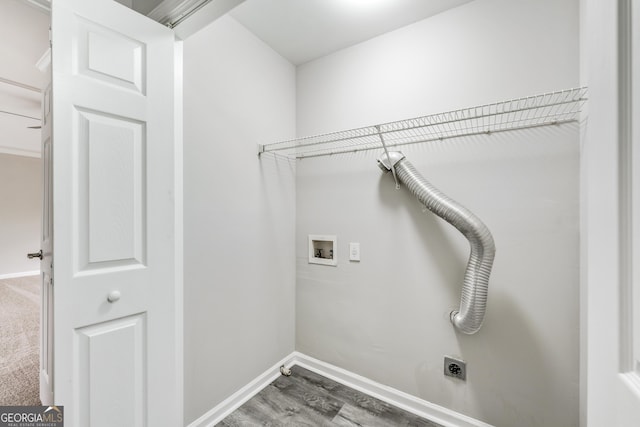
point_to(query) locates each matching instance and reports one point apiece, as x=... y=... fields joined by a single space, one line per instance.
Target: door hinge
x=50 y=40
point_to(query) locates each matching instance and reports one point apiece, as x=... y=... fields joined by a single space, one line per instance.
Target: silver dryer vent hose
x=473 y=302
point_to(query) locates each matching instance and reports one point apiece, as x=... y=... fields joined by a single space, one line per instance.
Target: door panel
x=111 y=199
x=111 y=353
x=110 y=56
x=113 y=174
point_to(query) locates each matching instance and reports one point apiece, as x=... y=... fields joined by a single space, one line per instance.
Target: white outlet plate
x=354 y=251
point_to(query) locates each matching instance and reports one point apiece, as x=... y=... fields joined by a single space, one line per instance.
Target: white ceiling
x=25 y=38
x=303 y=30
x=300 y=30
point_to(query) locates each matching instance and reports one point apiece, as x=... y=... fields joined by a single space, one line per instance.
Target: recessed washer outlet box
x=323 y=249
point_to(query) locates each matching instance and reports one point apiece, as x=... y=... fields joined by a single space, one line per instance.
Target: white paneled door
x=114 y=358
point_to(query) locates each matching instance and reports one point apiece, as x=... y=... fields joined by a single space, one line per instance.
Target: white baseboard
x=402 y=400
x=409 y=403
x=22 y=274
x=233 y=402
x=20 y=152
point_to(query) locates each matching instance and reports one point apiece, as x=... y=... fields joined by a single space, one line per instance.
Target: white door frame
x=179 y=226
x=46 y=250
x=610 y=390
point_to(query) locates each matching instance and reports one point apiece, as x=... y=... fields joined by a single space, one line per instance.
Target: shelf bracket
x=393 y=168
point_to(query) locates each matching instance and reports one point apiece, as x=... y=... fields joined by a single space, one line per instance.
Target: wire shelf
x=539 y=110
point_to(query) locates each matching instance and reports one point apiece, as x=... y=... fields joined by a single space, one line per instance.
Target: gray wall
x=386 y=317
x=20 y=211
x=239 y=213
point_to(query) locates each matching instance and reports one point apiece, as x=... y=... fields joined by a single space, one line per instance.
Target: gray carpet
x=19 y=341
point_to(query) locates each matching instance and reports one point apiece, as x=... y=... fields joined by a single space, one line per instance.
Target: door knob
x=35 y=255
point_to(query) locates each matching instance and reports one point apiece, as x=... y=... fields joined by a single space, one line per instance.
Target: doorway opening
x=24 y=41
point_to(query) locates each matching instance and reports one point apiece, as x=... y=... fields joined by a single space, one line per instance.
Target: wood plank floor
x=308 y=399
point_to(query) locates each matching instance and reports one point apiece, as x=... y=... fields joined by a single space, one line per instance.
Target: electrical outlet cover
x=456 y=368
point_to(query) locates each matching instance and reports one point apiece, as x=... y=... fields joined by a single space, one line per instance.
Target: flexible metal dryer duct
x=473 y=302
